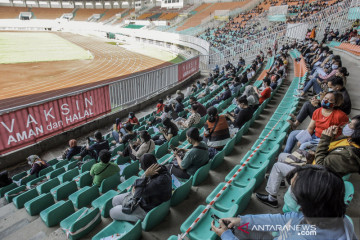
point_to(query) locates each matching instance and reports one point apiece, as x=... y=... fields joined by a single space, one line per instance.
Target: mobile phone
x=172 y=147
x=216 y=218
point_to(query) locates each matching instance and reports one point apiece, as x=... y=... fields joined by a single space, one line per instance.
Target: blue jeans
x=291 y=141
x=313 y=83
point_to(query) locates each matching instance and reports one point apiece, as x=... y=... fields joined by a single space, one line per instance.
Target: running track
x=29 y=82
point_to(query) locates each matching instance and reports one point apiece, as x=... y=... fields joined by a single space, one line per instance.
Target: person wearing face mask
x=322 y=118
x=216 y=129
x=318 y=195
x=341 y=156
x=193 y=159
x=337 y=85
x=306 y=110
x=143 y=145
x=244 y=115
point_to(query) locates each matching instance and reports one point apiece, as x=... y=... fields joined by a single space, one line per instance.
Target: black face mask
x=212 y=118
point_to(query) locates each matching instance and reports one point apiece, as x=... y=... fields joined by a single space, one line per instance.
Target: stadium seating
x=54 y=214
x=123 y=229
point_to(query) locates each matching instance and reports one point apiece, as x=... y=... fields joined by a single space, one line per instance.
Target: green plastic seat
x=174 y=141
x=277 y=133
x=71 y=165
x=80 y=223
x=19 y=176
x=166 y=159
x=269 y=144
x=45 y=171
x=61 y=164
x=155 y=216
x=345 y=178
x=36 y=182
x=7 y=188
x=87 y=166
x=240 y=133
x=127 y=230
x=217 y=160
x=202 y=229
x=181 y=192
x=55 y=173
x=122 y=160
x=83 y=179
x=68 y=175
x=173 y=237
x=36 y=205
x=247 y=173
x=21 y=199
x=47 y=186
x=57 y=212
x=229 y=147
x=232 y=195
x=84 y=196
x=131 y=169
x=14 y=192
x=161 y=150
x=104 y=202
x=124 y=186
x=260 y=157
x=53 y=162
x=62 y=191
x=201 y=174
x=120 y=148
x=182 y=135
x=349 y=192
x=27 y=179
x=110 y=183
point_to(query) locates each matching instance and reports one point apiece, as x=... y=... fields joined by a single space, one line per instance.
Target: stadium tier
x=251 y=130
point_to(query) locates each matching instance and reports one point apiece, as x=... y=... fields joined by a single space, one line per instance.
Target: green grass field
x=18 y=47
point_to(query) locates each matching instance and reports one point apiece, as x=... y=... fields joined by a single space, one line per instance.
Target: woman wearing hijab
x=148 y=191
x=37 y=164
x=251 y=96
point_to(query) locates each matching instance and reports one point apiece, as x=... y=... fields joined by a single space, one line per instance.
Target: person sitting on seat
x=266 y=93
x=143 y=145
x=239 y=119
x=73 y=150
x=129 y=134
x=337 y=84
x=216 y=130
x=319 y=192
x=167 y=132
x=148 y=192
x=37 y=164
x=104 y=168
x=95 y=148
x=193 y=159
x=193 y=119
x=223 y=96
x=200 y=108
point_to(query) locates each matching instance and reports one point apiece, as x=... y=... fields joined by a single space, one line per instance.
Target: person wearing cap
x=194 y=158
x=73 y=150
x=37 y=164
x=150 y=190
x=95 y=148
x=104 y=168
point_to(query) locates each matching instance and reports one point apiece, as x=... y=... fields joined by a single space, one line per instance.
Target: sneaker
x=299 y=96
x=264 y=199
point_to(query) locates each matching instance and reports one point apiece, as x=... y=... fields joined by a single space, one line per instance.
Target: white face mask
x=334 y=66
x=330 y=89
x=347 y=131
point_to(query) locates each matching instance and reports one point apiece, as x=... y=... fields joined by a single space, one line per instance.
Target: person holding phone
x=307 y=110
x=167 y=132
x=140 y=146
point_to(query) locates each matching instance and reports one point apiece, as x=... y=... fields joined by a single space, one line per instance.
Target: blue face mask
x=290 y=203
x=347 y=131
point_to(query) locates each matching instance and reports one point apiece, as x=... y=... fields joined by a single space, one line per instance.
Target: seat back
x=181 y=192
x=218 y=159
x=87 y=166
x=131 y=169
x=155 y=216
x=201 y=174
x=110 y=183
x=47 y=186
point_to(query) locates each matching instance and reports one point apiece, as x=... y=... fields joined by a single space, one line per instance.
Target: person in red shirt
x=266 y=93
x=160 y=106
x=323 y=118
x=132 y=119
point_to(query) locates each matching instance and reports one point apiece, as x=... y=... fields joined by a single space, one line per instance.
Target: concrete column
x=12 y=3
x=37 y=3
x=103 y=4
x=120 y=4
x=130 y=3
x=61 y=4
x=93 y=3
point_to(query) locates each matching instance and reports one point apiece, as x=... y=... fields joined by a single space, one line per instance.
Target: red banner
x=188 y=68
x=32 y=124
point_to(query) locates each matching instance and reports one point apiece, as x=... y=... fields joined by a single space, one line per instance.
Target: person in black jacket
x=95 y=148
x=73 y=150
x=244 y=115
x=151 y=190
x=337 y=84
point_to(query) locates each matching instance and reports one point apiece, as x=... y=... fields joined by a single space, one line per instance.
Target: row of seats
x=62 y=188
x=351 y=48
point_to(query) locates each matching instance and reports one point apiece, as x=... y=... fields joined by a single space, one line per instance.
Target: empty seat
x=87 y=166
x=120 y=230
x=202 y=230
x=181 y=192
x=217 y=160
x=104 y=202
x=7 y=188
x=109 y=183
x=53 y=162
x=161 y=150
x=14 y=192
x=36 y=182
x=349 y=192
x=80 y=223
x=229 y=147
x=71 y=165
x=39 y=203
x=68 y=175
x=19 y=176
x=21 y=199
x=201 y=174
x=55 y=173
x=131 y=169
x=48 y=185
x=61 y=164
x=27 y=179
x=232 y=195
x=83 y=179
x=45 y=171
x=63 y=191
x=54 y=214
x=84 y=196
x=155 y=216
